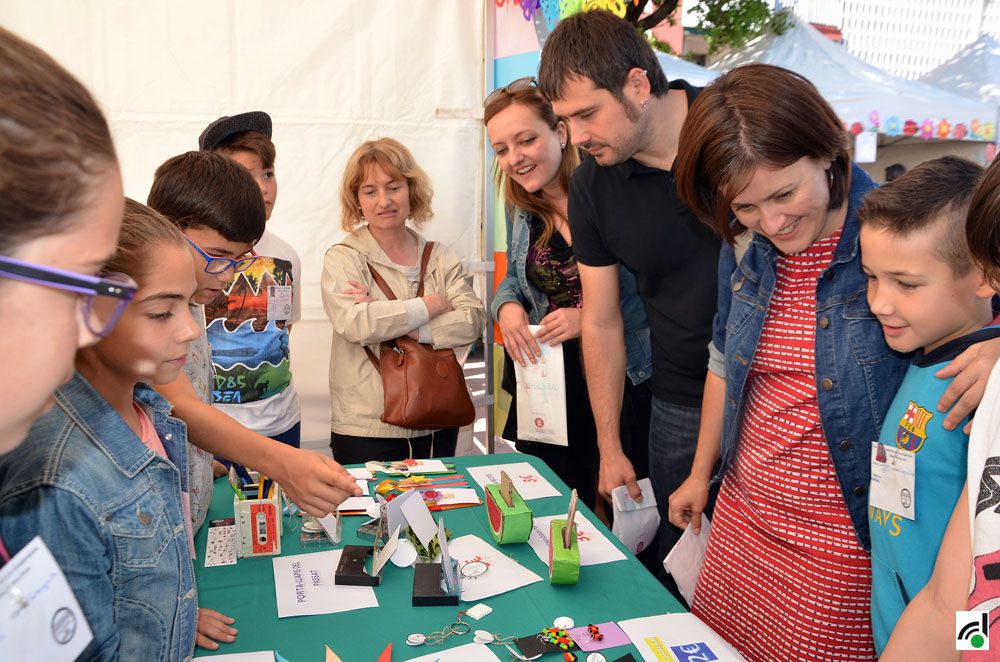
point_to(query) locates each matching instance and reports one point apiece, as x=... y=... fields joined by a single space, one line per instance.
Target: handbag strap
x=425 y=258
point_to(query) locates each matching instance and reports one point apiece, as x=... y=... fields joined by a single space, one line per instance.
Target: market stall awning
x=865 y=97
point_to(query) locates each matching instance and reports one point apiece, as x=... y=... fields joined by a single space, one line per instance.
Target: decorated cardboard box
x=564 y=550
x=510 y=517
x=564 y=562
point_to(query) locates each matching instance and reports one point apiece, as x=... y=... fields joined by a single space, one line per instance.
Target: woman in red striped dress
x=799 y=377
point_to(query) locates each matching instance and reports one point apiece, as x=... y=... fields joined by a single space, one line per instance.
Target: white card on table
x=677 y=637
x=456 y=496
x=221 y=546
x=303 y=585
x=258 y=656
x=502 y=573
x=893 y=486
x=361 y=474
x=428 y=467
x=541 y=396
x=467 y=653
x=40 y=618
x=450 y=580
x=595 y=548
x=526 y=479
x=356 y=503
x=363 y=484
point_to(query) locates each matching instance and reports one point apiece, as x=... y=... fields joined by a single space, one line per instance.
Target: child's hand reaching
x=213 y=627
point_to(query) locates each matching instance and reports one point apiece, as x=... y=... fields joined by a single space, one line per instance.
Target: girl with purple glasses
x=60 y=210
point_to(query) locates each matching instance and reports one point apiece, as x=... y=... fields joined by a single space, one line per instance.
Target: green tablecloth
x=607 y=592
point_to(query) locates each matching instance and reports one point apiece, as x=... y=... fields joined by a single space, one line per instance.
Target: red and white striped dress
x=785 y=577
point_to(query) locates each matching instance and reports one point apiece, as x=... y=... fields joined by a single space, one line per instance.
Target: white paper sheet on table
x=356 y=503
x=455 y=496
x=504 y=574
x=686 y=558
x=595 y=548
x=258 y=656
x=360 y=473
x=636 y=522
x=526 y=479
x=679 y=637
x=304 y=585
x=541 y=396
x=466 y=653
x=363 y=484
x=428 y=467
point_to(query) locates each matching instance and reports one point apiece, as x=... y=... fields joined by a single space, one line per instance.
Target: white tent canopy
x=675 y=67
x=865 y=97
x=973 y=72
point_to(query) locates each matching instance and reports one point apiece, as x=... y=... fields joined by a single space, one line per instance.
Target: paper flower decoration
x=943 y=129
x=873 y=119
x=857 y=128
x=910 y=128
x=927 y=129
x=892 y=126
x=959 y=131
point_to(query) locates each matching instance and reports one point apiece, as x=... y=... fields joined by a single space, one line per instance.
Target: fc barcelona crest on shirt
x=912 y=431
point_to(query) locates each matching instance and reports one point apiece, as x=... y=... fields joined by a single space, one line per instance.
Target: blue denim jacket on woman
x=110 y=511
x=856 y=373
x=515 y=287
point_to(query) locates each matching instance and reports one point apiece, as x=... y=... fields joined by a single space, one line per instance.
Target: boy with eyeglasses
x=220 y=210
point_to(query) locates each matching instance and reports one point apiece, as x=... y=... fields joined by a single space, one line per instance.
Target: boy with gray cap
x=249 y=323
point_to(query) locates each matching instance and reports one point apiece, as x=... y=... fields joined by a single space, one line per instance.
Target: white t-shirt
x=984 y=507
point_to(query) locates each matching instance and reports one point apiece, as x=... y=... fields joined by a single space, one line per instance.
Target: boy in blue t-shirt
x=933 y=301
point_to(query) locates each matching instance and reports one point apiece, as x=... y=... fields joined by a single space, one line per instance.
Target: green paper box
x=564 y=564
x=507 y=523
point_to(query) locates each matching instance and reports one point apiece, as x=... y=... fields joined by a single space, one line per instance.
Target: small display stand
x=430 y=586
x=258 y=521
x=351 y=570
x=510 y=517
x=436 y=584
x=564 y=550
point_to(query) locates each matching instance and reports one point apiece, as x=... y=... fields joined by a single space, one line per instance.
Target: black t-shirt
x=630 y=213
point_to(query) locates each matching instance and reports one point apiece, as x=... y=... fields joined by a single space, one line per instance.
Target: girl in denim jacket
x=542 y=285
x=97 y=477
x=799 y=376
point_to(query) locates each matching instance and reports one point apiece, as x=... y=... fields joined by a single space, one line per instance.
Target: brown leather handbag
x=424 y=387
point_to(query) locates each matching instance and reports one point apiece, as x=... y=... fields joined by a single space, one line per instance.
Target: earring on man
x=562 y=145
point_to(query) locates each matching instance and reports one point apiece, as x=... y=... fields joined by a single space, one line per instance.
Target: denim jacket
x=516 y=287
x=856 y=373
x=110 y=511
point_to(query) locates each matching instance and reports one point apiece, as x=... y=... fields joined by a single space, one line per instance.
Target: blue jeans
x=673 y=436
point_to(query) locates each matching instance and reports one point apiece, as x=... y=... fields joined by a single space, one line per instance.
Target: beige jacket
x=355 y=385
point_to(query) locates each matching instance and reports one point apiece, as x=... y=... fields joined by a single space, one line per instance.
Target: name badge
x=893 y=486
x=39 y=616
x=279 y=302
